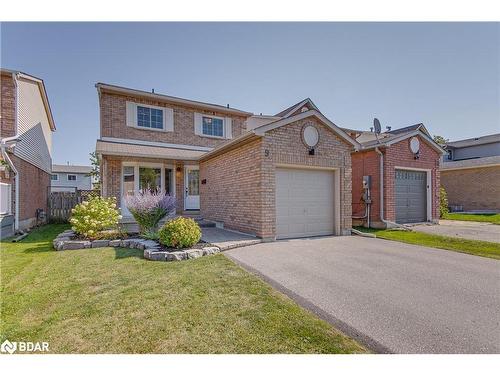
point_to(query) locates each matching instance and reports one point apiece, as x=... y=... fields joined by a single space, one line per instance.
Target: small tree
x=95 y=173
x=440 y=140
x=443 y=202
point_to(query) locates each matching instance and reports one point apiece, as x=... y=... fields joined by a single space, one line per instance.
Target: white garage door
x=304 y=203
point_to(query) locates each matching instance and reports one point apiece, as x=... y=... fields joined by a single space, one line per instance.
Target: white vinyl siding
x=132 y=120
x=199 y=128
x=83 y=182
x=33 y=127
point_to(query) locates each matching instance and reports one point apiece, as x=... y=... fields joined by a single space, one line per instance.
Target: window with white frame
x=5 y=198
x=149 y=117
x=213 y=126
x=54 y=177
x=72 y=177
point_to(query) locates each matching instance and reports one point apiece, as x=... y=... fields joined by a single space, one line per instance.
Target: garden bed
x=153 y=250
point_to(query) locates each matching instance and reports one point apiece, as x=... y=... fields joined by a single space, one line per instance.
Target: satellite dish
x=376 y=125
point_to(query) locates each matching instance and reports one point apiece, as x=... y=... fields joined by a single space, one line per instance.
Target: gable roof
x=290 y=110
x=170 y=99
x=492 y=138
x=43 y=92
x=410 y=128
x=391 y=139
x=64 y=168
x=261 y=130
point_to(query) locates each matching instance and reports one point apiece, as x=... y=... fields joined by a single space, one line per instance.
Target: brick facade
x=473 y=188
x=113 y=122
x=33 y=190
x=240 y=188
x=397 y=155
x=8 y=106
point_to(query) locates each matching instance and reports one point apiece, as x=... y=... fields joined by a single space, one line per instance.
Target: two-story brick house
x=281 y=176
x=26 y=148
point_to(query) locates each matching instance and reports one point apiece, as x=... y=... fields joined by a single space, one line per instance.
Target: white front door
x=191 y=187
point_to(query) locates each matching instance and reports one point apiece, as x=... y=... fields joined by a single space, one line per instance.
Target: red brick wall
x=33 y=190
x=233 y=190
x=474 y=188
x=7 y=106
x=240 y=189
x=113 y=122
x=397 y=155
x=365 y=164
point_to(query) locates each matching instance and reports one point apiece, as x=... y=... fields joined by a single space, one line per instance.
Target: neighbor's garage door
x=411 y=196
x=304 y=203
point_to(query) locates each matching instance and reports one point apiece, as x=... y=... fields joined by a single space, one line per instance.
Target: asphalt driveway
x=463 y=229
x=391 y=296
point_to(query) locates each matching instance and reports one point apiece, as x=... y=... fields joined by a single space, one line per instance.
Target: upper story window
x=213 y=126
x=54 y=177
x=72 y=177
x=149 y=117
x=450 y=154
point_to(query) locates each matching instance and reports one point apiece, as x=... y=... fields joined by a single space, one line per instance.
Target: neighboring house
x=470 y=174
x=70 y=178
x=281 y=176
x=26 y=143
x=404 y=165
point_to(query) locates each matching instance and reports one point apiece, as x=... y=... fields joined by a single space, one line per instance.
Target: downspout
x=4 y=153
x=386 y=222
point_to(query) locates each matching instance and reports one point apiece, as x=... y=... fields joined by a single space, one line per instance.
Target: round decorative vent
x=414 y=145
x=311 y=136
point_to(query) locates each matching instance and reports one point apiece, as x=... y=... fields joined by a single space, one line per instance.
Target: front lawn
x=481 y=248
x=113 y=301
x=485 y=218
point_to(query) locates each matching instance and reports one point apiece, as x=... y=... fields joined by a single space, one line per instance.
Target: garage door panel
x=304 y=202
x=410 y=196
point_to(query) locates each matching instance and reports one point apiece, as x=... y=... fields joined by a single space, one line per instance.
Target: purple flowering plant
x=149 y=207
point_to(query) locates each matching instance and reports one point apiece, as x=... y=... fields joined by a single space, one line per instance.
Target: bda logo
x=8 y=347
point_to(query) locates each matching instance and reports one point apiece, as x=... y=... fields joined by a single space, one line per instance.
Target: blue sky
x=445 y=75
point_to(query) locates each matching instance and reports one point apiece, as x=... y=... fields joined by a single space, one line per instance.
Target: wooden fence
x=62 y=202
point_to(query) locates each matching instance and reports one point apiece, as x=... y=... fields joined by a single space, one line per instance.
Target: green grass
x=473 y=247
x=114 y=301
x=484 y=218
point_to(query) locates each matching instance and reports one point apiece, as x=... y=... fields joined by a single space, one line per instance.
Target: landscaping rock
x=100 y=243
x=194 y=253
x=158 y=255
x=124 y=243
x=150 y=243
x=115 y=243
x=209 y=250
x=176 y=255
x=75 y=245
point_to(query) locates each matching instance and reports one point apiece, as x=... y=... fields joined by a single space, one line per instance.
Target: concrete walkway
x=391 y=296
x=471 y=230
x=225 y=239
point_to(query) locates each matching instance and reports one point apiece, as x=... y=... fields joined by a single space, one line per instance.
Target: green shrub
x=180 y=232
x=443 y=202
x=95 y=215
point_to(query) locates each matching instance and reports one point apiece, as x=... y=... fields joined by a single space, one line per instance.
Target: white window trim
x=131 y=117
x=429 y=187
x=54 y=174
x=138 y=165
x=9 y=199
x=223 y=136
x=72 y=174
